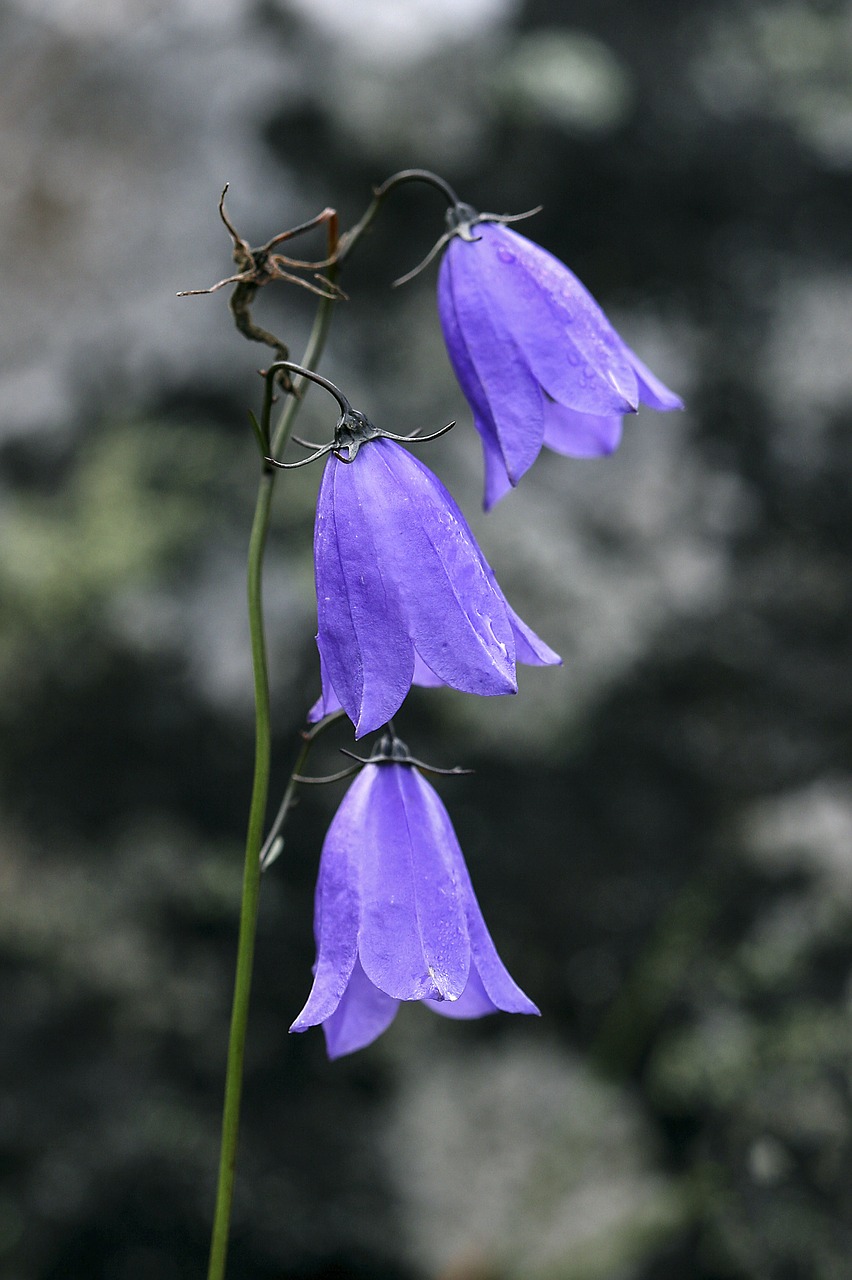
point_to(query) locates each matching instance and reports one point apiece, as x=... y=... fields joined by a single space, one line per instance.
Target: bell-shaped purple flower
x=396 y=917
x=404 y=592
x=533 y=352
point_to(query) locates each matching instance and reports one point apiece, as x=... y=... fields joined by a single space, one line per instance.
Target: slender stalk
x=350 y=238
x=313 y=352
x=251 y=887
x=257 y=812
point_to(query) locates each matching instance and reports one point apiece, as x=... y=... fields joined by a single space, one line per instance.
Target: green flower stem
x=257 y=811
x=350 y=238
x=251 y=888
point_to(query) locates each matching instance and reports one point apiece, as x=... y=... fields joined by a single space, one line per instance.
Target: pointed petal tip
x=656 y=395
x=674 y=402
x=629 y=403
x=333 y=1052
x=663 y=404
x=652 y=391
x=370 y=719
x=476 y=1002
x=360 y=1018
x=492 y=495
x=498 y=482
x=444 y=989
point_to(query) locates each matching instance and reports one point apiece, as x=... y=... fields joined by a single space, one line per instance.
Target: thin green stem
x=251 y=887
x=313 y=352
x=350 y=238
x=257 y=811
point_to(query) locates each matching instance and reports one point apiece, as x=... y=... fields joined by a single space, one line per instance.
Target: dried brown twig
x=257 y=267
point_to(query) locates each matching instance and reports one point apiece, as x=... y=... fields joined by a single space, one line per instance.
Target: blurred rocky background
x=660 y=832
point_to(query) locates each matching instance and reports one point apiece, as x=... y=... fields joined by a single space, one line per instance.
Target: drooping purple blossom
x=529 y=650
x=533 y=352
x=404 y=592
x=395 y=916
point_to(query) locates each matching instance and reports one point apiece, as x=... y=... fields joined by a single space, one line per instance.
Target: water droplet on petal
x=504 y=255
x=573 y=358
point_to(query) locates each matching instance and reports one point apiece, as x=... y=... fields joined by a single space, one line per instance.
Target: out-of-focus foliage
x=134 y=497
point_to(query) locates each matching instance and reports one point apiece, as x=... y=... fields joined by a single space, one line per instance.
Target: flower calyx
x=388 y=750
x=353 y=428
x=461 y=219
x=392 y=750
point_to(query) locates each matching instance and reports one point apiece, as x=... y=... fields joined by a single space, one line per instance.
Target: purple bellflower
x=533 y=352
x=395 y=916
x=404 y=592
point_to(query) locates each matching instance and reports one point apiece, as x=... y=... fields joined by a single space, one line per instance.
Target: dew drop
x=505 y=255
x=573 y=358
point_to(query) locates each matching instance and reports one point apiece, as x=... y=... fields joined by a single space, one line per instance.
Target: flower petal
x=360 y=1018
x=530 y=649
x=413 y=941
x=457 y=350
x=328 y=700
x=336 y=911
x=580 y=435
x=362 y=636
x=651 y=391
x=455 y=617
x=474 y=1002
x=499 y=986
x=425 y=676
x=497 y=479
x=570 y=345
x=489 y=363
